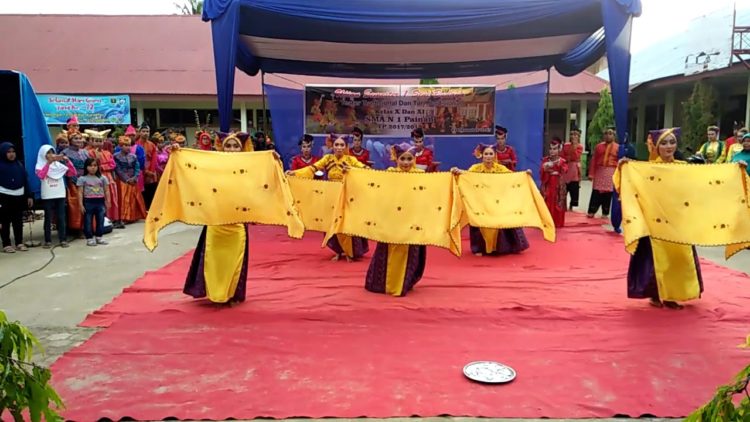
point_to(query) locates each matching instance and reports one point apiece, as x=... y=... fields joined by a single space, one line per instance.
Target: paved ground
x=81 y=279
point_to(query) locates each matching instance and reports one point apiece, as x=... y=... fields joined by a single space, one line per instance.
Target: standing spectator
x=127 y=168
x=149 y=163
x=714 y=150
x=94 y=201
x=601 y=170
x=15 y=197
x=51 y=168
x=571 y=153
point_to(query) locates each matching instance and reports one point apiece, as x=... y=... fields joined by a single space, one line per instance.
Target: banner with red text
x=395 y=110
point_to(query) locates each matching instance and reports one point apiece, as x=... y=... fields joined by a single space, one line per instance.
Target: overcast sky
x=660 y=19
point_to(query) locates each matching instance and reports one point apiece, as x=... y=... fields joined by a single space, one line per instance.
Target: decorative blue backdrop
x=520 y=110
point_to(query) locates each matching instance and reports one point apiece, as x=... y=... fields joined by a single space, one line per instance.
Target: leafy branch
x=24 y=386
x=722 y=407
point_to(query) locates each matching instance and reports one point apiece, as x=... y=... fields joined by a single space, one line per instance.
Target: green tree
x=603 y=118
x=190 y=7
x=699 y=112
x=429 y=82
x=722 y=407
x=24 y=386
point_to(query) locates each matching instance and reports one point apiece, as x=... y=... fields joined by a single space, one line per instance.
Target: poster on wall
x=91 y=110
x=395 y=110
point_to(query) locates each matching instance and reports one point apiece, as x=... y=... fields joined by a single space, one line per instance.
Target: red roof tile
x=166 y=55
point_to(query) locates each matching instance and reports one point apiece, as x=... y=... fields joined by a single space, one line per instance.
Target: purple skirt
x=508 y=241
x=359 y=246
x=642 y=274
x=195 y=282
x=376 y=272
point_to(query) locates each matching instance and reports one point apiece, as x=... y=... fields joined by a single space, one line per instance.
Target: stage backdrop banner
x=395 y=110
x=91 y=110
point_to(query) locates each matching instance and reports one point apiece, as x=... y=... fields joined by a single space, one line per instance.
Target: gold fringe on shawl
x=503 y=201
x=315 y=200
x=213 y=189
x=399 y=208
x=705 y=205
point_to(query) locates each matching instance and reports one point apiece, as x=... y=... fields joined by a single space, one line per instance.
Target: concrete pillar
x=158 y=119
x=139 y=114
x=747 y=104
x=582 y=120
x=669 y=109
x=567 y=121
x=243 y=117
x=639 y=137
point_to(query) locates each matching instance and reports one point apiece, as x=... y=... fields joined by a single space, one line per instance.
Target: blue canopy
x=419 y=39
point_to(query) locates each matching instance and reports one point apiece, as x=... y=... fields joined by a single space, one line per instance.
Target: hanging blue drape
x=34 y=127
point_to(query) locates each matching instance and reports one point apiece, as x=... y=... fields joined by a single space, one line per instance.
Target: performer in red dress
x=506 y=155
x=553 y=185
x=305 y=157
x=424 y=156
x=357 y=150
x=571 y=153
x=602 y=168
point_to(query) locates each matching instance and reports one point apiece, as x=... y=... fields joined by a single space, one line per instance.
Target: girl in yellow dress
x=332 y=166
x=661 y=271
x=219 y=267
x=395 y=269
x=492 y=241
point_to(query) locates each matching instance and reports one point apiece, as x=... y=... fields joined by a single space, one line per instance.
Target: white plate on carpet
x=489 y=372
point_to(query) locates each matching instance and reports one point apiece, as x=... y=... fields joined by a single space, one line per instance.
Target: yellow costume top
x=315 y=200
x=670 y=202
x=498 y=198
x=482 y=168
x=406 y=208
x=219 y=188
x=714 y=152
x=332 y=165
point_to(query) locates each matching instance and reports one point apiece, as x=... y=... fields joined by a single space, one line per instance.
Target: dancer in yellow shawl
x=664 y=272
x=333 y=167
x=395 y=269
x=219 y=267
x=485 y=240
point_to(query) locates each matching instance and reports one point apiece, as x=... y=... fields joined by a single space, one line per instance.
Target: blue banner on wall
x=91 y=110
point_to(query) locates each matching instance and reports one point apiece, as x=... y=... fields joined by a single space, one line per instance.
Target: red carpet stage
x=311 y=342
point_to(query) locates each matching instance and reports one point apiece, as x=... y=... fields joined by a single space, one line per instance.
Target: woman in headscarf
x=15 y=197
x=554 y=190
x=107 y=165
x=395 y=269
x=683 y=280
x=51 y=168
x=218 y=271
x=492 y=241
x=77 y=155
x=333 y=166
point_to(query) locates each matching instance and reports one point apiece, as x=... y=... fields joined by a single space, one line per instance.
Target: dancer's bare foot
x=349 y=259
x=655 y=303
x=673 y=305
x=478 y=254
x=335 y=258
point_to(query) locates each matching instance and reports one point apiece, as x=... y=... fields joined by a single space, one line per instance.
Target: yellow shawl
x=704 y=205
x=399 y=208
x=504 y=200
x=218 y=188
x=315 y=200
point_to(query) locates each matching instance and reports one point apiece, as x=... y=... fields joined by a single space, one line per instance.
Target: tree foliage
x=603 y=118
x=190 y=7
x=429 y=82
x=722 y=407
x=699 y=112
x=24 y=386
